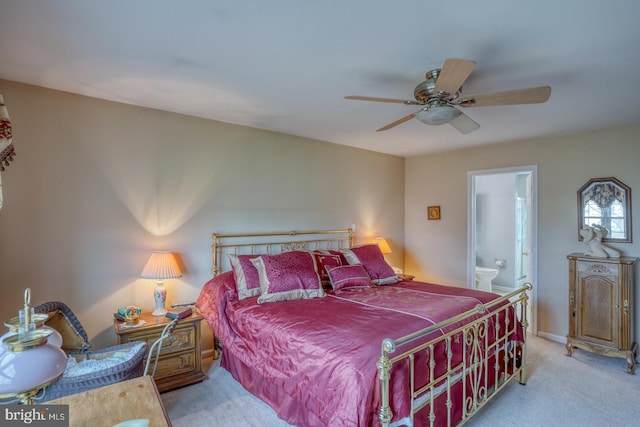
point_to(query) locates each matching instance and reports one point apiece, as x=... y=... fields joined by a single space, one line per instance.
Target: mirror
x=606 y=202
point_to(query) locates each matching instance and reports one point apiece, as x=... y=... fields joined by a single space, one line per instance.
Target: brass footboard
x=491 y=356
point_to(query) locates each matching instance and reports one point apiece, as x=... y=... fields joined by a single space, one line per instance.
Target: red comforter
x=314 y=361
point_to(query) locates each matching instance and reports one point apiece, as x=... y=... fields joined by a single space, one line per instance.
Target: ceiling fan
x=439 y=95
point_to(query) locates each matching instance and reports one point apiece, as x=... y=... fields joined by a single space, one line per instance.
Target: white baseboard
x=551 y=337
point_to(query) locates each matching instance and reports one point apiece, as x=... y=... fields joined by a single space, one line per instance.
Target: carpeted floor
x=584 y=390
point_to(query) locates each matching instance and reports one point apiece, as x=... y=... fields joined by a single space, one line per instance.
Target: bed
x=348 y=343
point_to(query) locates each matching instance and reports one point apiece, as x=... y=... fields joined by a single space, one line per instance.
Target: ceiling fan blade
x=453 y=74
x=374 y=99
x=532 y=95
x=397 y=122
x=464 y=124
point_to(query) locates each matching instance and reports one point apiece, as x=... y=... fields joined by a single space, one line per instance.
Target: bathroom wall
x=495 y=225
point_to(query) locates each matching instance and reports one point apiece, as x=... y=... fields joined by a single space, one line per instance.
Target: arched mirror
x=606 y=202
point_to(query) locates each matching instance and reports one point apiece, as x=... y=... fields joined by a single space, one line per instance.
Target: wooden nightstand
x=180 y=361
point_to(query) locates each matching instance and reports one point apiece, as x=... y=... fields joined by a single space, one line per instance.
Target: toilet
x=484 y=276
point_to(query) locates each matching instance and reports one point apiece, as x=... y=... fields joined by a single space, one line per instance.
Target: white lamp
x=28 y=361
x=162 y=265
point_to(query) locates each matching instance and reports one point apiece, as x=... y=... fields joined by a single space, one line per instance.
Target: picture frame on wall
x=433 y=212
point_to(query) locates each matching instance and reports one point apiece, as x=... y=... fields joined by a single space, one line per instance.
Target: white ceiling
x=285 y=65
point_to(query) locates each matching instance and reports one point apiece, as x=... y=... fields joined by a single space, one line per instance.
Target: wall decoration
x=605 y=202
x=433 y=212
x=6 y=141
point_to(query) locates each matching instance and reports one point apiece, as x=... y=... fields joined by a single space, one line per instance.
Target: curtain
x=6 y=141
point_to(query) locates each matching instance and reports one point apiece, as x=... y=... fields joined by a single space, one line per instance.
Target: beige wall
x=96 y=186
x=437 y=250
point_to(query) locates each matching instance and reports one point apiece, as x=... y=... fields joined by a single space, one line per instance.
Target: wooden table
x=112 y=404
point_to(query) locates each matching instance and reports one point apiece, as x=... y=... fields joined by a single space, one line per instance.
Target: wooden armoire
x=601 y=306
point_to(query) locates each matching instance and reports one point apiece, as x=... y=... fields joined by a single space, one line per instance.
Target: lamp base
x=160 y=297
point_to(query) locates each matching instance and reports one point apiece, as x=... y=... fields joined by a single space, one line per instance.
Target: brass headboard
x=275 y=242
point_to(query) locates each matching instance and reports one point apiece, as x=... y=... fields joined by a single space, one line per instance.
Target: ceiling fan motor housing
x=425 y=91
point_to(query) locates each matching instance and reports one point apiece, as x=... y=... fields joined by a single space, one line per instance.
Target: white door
x=523 y=229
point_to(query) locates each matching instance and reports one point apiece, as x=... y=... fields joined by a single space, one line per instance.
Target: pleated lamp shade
x=160 y=266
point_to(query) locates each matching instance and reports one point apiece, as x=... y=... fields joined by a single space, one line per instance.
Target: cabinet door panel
x=598 y=319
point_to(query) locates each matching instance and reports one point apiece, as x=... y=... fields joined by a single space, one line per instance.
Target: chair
x=86 y=368
x=157 y=346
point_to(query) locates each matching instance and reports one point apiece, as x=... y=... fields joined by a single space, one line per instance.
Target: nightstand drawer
x=183 y=338
x=175 y=364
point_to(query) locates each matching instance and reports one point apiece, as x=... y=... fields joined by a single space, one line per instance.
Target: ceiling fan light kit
x=438 y=115
x=439 y=95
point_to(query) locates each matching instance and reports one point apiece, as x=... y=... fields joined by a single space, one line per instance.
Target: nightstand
x=180 y=360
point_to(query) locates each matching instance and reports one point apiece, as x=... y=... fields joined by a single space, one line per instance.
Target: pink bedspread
x=314 y=360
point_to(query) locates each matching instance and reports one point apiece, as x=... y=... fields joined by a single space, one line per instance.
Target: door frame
x=471 y=231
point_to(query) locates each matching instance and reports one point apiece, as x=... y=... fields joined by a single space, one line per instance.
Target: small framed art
x=433 y=212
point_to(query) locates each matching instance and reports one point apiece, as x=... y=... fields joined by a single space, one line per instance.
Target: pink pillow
x=245 y=274
x=324 y=262
x=349 y=276
x=288 y=276
x=373 y=262
x=343 y=260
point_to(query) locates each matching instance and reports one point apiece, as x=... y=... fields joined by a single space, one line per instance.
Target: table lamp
x=383 y=245
x=162 y=265
x=386 y=249
x=28 y=361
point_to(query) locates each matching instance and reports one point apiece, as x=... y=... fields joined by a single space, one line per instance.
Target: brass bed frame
x=472 y=373
x=250 y=243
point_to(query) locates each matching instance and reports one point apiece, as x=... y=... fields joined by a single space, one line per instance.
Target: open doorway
x=502 y=225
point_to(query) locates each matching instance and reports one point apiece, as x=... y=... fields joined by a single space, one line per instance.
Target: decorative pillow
x=373 y=262
x=343 y=260
x=80 y=366
x=288 y=276
x=245 y=274
x=349 y=276
x=324 y=262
